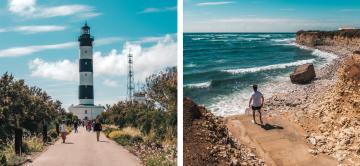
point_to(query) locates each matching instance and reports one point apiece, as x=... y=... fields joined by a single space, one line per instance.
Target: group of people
x=89 y=124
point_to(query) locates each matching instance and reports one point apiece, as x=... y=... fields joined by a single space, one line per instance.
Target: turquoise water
x=219 y=68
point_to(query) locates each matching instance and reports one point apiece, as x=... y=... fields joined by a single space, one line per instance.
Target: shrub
x=33 y=144
x=8 y=156
x=136 y=139
x=115 y=134
x=53 y=134
x=3 y=159
x=159 y=160
x=123 y=140
x=133 y=132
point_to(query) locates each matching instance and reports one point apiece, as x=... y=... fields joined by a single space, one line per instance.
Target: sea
x=220 y=68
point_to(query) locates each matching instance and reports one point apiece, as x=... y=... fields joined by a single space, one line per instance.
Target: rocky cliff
x=338 y=132
x=348 y=38
x=208 y=142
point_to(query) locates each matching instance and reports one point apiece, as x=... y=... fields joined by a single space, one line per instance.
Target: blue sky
x=38 y=43
x=269 y=15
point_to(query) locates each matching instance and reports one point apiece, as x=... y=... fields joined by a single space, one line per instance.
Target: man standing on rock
x=256 y=102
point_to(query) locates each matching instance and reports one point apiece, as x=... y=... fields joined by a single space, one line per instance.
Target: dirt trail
x=279 y=143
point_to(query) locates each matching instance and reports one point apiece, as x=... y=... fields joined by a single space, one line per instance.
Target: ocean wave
x=199 y=85
x=284 y=40
x=190 y=65
x=284 y=44
x=326 y=55
x=199 y=38
x=316 y=52
x=269 y=67
x=264 y=35
x=251 y=38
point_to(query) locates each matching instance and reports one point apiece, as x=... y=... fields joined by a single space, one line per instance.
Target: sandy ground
x=280 y=142
x=82 y=149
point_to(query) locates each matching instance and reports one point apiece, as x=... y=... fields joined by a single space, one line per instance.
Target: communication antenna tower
x=130 y=81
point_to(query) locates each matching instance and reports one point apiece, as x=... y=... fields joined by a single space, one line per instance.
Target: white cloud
x=110 y=83
x=105 y=41
x=22 y=7
x=29 y=8
x=64 y=10
x=89 y=15
x=28 y=50
x=64 y=70
x=146 y=61
x=214 y=3
x=156 y=10
x=154 y=39
x=38 y=28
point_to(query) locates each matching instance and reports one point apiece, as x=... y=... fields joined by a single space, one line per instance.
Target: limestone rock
x=303 y=74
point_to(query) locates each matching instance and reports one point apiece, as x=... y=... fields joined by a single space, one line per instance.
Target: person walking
x=256 y=102
x=88 y=125
x=75 y=126
x=97 y=129
x=63 y=131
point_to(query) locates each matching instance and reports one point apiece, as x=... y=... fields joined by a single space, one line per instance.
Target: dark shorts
x=256 y=108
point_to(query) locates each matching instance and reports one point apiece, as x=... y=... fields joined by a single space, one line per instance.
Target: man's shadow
x=68 y=143
x=268 y=126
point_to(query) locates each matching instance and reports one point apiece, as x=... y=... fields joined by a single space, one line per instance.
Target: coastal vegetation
x=28 y=109
x=148 y=129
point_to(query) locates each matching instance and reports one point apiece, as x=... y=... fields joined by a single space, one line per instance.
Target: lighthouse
x=86 y=108
x=86 y=88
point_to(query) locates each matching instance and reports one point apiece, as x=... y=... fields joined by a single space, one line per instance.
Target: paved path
x=82 y=149
x=281 y=143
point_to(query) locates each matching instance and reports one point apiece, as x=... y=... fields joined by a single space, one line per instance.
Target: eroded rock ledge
x=329 y=38
x=208 y=142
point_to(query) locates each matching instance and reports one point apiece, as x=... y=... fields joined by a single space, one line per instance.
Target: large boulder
x=303 y=74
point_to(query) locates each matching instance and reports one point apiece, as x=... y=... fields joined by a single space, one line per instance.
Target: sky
x=269 y=15
x=38 y=43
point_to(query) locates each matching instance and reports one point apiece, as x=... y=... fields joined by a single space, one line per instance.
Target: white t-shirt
x=256 y=99
x=62 y=128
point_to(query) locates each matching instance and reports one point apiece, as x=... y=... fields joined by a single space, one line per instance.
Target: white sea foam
x=190 y=65
x=326 y=55
x=251 y=38
x=199 y=85
x=237 y=102
x=284 y=40
x=322 y=54
x=269 y=67
x=264 y=35
x=198 y=38
x=230 y=104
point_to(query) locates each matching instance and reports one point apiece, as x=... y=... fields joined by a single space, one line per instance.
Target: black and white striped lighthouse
x=86 y=88
x=86 y=108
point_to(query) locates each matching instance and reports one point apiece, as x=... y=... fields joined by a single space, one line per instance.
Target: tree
x=157 y=115
x=28 y=106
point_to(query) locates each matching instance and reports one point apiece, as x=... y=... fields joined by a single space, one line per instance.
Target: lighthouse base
x=89 y=112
